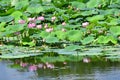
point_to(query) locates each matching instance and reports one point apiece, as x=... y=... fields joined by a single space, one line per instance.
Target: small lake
x=98 y=70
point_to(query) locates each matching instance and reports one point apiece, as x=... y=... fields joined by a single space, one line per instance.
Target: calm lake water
x=70 y=71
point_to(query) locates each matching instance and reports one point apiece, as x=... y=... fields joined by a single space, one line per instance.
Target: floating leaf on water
x=78 y=4
x=87 y=40
x=6 y=19
x=115 y=30
x=50 y=39
x=95 y=18
x=72 y=47
x=74 y=35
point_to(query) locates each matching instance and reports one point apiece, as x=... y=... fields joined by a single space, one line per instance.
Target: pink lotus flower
x=21 y=21
x=41 y=18
x=33 y=68
x=32 y=20
x=49 y=30
x=85 y=24
x=53 y=18
x=39 y=26
x=46 y=26
x=63 y=23
x=31 y=25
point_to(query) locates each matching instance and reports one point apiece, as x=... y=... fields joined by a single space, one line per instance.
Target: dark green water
x=70 y=71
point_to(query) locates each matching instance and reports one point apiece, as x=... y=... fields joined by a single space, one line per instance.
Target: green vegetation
x=59 y=24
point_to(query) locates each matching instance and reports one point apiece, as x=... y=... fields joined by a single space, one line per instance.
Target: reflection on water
x=63 y=71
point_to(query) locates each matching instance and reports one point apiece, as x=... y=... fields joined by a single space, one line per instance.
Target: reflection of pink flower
x=63 y=23
x=39 y=26
x=86 y=60
x=49 y=30
x=33 y=68
x=23 y=64
x=85 y=24
x=64 y=62
x=41 y=18
x=31 y=25
x=21 y=21
x=53 y=18
x=51 y=66
x=40 y=65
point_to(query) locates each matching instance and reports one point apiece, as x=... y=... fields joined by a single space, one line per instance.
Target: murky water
x=69 y=71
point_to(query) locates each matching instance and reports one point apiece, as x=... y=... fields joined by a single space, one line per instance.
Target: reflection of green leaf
x=6 y=19
x=53 y=59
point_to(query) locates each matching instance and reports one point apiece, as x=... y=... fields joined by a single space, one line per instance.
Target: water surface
x=71 y=71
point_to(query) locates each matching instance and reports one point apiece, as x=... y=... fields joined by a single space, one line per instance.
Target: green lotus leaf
x=115 y=30
x=72 y=47
x=74 y=35
x=6 y=18
x=87 y=40
x=95 y=18
x=50 y=39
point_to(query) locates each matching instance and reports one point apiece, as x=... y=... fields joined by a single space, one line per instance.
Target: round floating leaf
x=88 y=13
x=93 y=3
x=60 y=35
x=74 y=35
x=106 y=39
x=72 y=47
x=50 y=39
x=115 y=30
x=17 y=15
x=102 y=39
x=35 y=9
x=44 y=34
x=21 y=4
x=6 y=19
x=95 y=18
x=87 y=40
x=77 y=4
x=113 y=22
